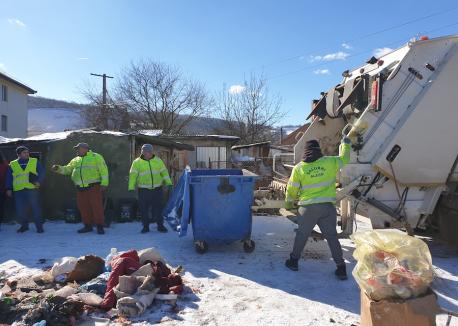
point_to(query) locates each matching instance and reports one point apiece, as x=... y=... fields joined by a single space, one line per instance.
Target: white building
x=13 y=107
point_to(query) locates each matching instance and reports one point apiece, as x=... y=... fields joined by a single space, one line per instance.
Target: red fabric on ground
x=165 y=280
x=124 y=264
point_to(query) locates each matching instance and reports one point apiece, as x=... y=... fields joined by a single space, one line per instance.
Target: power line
x=352 y=55
x=367 y=35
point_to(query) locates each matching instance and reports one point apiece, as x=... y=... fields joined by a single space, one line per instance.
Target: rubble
x=72 y=291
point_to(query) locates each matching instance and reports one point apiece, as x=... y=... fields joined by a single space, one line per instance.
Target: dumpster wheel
x=201 y=247
x=249 y=246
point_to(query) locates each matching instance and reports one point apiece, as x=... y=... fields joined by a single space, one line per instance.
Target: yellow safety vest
x=86 y=170
x=148 y=174
x=21 y=176
x=315 y=182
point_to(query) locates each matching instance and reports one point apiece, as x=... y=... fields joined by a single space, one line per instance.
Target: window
x=211 y=157
x=4 y=123
x=4 y=93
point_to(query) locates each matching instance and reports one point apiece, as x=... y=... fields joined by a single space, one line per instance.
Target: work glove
x=346 y=140
x=289 y=205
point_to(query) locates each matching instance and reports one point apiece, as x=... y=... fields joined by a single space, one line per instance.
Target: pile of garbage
x=75 y=290
x=392 y=265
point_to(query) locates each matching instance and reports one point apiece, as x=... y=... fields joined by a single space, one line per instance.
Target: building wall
x=15 y=109
x=205 y=148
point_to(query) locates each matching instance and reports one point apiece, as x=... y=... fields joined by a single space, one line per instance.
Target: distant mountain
x=35 y=102
x=50 y=115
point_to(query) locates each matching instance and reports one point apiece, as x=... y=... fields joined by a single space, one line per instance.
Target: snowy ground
x=227 y=286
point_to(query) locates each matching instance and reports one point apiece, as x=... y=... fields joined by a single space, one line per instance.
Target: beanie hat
x=20 y=149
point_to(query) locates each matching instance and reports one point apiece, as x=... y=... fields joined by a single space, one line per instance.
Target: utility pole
x=104 y=94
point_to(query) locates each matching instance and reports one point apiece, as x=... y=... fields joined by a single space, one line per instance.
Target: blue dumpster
x=217 y=203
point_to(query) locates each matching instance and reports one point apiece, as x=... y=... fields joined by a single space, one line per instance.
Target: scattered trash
x=113 y=253
x=65 y=292
x=62 y=278
x=392 y=265
x=76 y=288
x=87 y=268
x=63 y=265
x=97 y=285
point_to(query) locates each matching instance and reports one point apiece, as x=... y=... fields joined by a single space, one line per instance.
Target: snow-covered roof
x=150 y=132
x=50 y=136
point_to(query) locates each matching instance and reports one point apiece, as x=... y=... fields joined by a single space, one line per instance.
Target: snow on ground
x=227 y=286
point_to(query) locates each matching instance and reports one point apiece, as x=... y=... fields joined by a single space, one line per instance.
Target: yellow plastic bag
x=391 y=264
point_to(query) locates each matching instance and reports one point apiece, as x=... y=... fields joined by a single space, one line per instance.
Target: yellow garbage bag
x=391 y=264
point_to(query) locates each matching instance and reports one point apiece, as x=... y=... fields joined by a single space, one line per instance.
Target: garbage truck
x=401 y=112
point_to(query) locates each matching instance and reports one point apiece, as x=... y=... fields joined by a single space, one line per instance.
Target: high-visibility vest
x=86 y=170
x=315 y=182
x=21 y=176
x=148 y=174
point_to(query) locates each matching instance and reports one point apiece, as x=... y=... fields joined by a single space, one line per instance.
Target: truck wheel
x=249 y=246
x=201 y=247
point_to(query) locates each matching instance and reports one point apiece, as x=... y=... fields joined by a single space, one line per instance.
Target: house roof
x=55 y=136
x=292 y=138
x=17 y=83
x=232 y=139
x=251 y=145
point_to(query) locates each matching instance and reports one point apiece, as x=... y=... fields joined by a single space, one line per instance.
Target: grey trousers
x=326 y=217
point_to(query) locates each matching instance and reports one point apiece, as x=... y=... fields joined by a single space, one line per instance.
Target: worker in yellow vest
x=148 y=173
x=89 y=173
x=23 y=179
x=312 y=187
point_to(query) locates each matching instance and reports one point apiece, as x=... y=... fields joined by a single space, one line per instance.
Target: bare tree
x=249 y=111
x=158 y=96
x=112 y=116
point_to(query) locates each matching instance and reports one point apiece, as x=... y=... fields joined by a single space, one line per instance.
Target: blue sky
x=301 y=46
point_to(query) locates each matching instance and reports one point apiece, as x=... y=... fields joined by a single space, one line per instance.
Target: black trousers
x=151 y=200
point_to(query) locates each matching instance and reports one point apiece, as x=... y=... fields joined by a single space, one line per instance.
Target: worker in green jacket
x=89 y=173
x=312 y=187
x=148 y=173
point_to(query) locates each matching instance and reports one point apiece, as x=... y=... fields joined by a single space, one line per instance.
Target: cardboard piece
x=413 y=312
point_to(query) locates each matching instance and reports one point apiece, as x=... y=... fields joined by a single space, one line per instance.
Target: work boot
x=100 y=229
x=87 y=228
x=292 y=263
x=161 y=228
x=23 y=228
x=341 y=272
x=145 y=229
x=40 y=229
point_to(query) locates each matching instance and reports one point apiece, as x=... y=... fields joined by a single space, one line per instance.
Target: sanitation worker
x=148 y=173
x=89 y=173
x=23 y=179
x=312 y=187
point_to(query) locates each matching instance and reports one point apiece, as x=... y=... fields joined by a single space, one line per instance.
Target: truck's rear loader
x=401 y=113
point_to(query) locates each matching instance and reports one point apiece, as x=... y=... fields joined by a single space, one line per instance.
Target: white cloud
x=322 y=72
x=330 y=56
x=347 y=46
x=16 y=22
x=82 y=58
x=2 y=66
x=236 y=89
x=381 y=52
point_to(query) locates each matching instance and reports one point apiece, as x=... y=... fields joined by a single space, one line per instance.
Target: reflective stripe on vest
x=21 y=176
x=319 y=185
x=86 y=170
